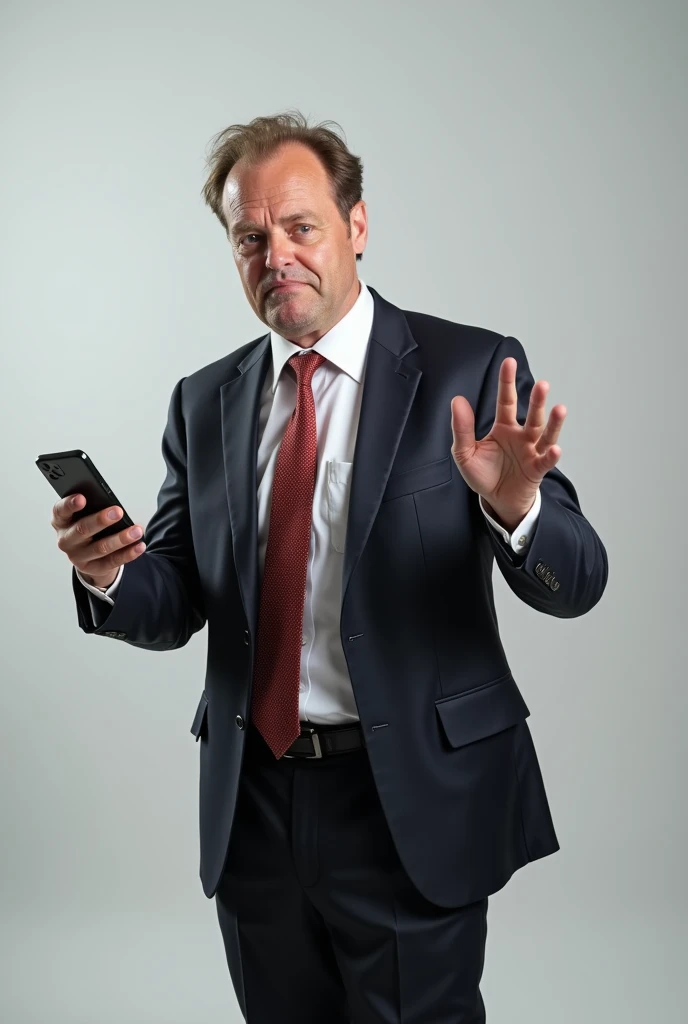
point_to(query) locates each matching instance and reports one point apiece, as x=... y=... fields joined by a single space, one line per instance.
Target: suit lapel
x=240 y=404
x=389 y=389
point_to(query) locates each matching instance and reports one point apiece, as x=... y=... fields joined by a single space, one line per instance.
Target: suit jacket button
x=240 y=721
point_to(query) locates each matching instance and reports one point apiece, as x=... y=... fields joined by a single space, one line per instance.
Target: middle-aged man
x=336 y=492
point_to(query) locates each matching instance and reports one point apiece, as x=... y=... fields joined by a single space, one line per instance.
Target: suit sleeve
x=159 y=603
x=564 y=571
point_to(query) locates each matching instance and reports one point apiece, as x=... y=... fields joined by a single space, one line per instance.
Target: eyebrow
x=248 y=225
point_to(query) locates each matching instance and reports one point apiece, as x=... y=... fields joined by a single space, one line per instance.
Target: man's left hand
x=505 y=468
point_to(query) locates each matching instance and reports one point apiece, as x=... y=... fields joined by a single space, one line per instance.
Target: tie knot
x=305 y=366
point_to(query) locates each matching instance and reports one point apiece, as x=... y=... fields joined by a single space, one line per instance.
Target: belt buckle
x=316 y=746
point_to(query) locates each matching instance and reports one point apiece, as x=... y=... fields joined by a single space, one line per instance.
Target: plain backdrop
x=525 y=169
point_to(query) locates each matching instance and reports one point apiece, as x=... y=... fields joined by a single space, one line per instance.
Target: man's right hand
x=97 y=560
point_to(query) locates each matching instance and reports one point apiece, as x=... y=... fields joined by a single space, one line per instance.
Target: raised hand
x=506 y=467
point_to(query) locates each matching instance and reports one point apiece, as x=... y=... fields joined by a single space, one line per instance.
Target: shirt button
x=304 y=641
x=522 y=539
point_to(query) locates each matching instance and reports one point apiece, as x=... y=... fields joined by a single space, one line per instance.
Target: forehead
x=289 y=181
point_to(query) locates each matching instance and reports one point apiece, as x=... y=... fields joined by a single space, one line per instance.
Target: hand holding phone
x=93 y=529
x=97 y=560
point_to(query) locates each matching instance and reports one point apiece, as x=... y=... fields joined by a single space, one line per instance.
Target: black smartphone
x=74 y=473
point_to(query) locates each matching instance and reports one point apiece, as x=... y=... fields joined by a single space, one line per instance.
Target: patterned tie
x=277 y=671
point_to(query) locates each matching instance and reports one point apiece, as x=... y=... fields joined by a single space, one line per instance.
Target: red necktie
x=276 y=676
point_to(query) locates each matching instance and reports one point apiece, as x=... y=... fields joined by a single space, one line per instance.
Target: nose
x=279 y=253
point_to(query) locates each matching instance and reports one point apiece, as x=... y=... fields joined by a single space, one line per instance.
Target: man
x=336 y=493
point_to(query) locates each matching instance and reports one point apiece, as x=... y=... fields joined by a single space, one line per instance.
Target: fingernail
x=135 y=533
x=113 y=514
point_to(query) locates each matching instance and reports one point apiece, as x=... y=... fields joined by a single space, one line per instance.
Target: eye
x=246 y=238
x=307 y=226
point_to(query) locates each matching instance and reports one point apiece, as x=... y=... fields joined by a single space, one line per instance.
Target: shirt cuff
x=108 y=593
x=519 y=539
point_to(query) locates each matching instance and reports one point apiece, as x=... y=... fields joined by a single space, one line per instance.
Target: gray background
x=525 y=168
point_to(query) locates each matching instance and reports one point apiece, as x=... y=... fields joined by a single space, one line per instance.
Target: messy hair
x=263 y=136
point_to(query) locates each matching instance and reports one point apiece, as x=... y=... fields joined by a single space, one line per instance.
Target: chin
x=291 y=309
x=293 y=326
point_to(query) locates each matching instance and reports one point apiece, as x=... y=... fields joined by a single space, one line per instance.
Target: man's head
x=289 y=198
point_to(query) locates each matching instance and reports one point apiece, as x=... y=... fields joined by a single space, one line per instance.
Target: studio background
x=524 y=169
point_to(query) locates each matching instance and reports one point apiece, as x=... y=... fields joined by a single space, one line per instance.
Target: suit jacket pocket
x=482 y=711
x=199 y=721
x=418 y=478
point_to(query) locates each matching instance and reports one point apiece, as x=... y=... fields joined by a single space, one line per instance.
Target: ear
x=358 y=221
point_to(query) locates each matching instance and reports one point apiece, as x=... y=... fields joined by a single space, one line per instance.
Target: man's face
x=285 y=229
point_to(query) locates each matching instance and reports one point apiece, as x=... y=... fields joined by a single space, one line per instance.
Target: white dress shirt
x=326 y=696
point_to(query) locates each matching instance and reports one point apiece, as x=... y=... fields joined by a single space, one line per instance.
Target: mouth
x=286 y=286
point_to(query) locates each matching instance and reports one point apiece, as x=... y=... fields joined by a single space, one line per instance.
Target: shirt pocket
x=338 y=493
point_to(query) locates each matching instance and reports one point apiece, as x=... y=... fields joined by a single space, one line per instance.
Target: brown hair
x=263 y=135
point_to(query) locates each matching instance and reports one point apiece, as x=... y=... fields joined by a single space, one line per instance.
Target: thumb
x=463 y=428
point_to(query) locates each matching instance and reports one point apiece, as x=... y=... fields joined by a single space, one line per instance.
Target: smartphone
x=74 y=473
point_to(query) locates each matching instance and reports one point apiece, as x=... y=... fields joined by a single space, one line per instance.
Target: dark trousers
x=321 y=923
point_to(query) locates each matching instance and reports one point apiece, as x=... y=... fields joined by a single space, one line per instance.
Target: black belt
x=321 y=741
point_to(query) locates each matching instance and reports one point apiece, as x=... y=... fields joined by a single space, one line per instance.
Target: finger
x=551 y=433
x=507 y=398
x=110 y=562
x=84 y=529
x=105 y=553
x=64 y=509
x=463 y=427
x=79 y=534
x=535 y=418
x=543 y=463
x=104 y=546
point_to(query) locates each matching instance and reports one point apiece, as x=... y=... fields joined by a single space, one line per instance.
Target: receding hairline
x=253 y=159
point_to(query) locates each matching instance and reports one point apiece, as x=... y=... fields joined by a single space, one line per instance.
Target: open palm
x=507 y=466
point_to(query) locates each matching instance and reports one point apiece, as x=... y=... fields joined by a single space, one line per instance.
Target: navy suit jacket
x=443 y=718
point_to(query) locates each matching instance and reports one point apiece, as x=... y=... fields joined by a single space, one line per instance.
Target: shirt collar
x=345 y=344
